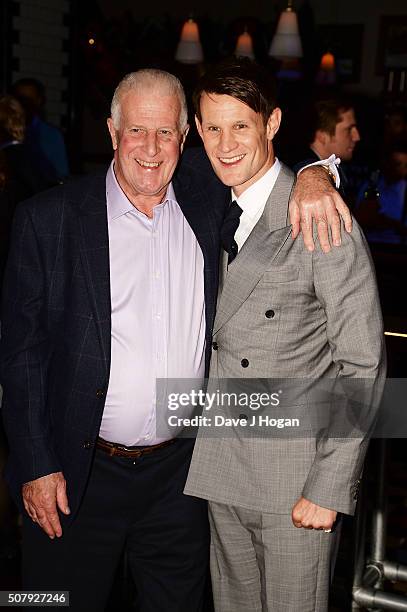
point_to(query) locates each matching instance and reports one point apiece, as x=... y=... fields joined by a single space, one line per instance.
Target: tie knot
x=229 y=227
x=233 y=213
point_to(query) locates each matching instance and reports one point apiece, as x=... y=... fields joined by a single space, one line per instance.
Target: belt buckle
x=132 y=452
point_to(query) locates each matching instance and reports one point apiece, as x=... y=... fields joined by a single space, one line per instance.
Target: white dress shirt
x=252 y=202
x=158 y=311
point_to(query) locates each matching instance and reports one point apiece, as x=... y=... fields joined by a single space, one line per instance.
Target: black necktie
x=229 y=227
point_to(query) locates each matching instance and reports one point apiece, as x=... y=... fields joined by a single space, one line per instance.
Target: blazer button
x=87 y=444
x=270 y=314
x=244 y=363
x=215 y=346
x=100 y=393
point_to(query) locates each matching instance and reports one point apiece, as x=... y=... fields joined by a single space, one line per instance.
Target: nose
x=355 y=134
x=227 y=141
x=151 y=144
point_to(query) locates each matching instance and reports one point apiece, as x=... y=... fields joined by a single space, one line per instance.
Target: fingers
x=306 y=229
x=323 y=234
x=335 y=227
x=48 y=520
x=62 y=499
x=40 y=498
x=343 y=211
x=295 y=218
x=307 y=515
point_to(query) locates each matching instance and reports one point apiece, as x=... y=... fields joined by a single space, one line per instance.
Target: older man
x=111 y=283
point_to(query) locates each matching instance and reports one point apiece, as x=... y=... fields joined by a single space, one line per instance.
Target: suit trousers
x=262 y=563
x=132 y=505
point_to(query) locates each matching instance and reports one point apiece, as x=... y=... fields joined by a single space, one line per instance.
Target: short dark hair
x=326 y=114
x=29 y=82
x=240 y=78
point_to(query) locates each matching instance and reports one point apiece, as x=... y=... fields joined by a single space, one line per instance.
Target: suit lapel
x=258 y=252
x=95 y=260
x=198 y=207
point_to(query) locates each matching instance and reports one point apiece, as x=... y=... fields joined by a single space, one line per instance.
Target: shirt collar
x=118 y=203
x=255 y=197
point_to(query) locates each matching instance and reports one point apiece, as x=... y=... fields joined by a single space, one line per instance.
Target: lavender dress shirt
x=158 y=311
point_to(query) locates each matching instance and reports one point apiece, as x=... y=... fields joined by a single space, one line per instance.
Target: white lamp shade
x=286 y=41
x=244 y=46
x=189 y=50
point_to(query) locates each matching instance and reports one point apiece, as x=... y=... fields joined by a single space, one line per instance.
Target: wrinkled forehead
x=159 y=104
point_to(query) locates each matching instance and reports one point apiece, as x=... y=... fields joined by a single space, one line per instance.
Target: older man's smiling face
x=147 y=144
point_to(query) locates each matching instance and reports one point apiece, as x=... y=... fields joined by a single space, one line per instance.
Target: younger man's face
x=236 y=140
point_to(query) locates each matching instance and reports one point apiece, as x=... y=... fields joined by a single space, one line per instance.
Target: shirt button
x=244 y=363
x=215 y=346
x=147 y=437
x=100 y=393
x=270 y=314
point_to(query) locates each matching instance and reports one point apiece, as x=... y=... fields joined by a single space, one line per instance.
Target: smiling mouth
x=149 y=165
x=229 y=161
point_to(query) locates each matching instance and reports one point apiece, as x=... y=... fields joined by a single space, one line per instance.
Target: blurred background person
x=332 y=129
x=41 y=137
x=381 y=206
x=21 y=175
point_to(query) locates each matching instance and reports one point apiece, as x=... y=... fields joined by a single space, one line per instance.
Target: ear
x=183 y=138
x=199 y=127
x=273 y=123
x=321 y=137
x=113 y=133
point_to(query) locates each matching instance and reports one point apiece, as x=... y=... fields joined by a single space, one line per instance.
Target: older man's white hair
x=153 y=81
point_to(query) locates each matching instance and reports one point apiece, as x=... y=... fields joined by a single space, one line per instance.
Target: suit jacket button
x=244 y=363
x=87 y=444
x=100 y=393
x=270 y=314
x=215 y=346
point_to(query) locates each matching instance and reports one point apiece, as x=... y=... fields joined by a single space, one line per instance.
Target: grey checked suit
x=284 y=312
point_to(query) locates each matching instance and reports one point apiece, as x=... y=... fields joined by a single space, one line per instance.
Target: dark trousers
x=132 y=505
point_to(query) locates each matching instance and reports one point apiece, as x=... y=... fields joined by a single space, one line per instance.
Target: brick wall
x=40 y=50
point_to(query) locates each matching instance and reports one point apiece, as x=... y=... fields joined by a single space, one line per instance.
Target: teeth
x=231 y=160
x=148 y=164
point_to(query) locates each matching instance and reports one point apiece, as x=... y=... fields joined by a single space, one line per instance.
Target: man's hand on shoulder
x=42 y=498
x=316 y=199
x=311 y=516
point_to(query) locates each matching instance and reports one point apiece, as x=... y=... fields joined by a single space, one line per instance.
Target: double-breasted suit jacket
x=286 y=313
x=56 y=320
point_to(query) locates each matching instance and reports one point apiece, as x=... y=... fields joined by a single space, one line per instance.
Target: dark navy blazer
x=56 y=319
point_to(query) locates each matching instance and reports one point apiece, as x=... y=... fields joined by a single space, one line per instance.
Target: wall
x=365 y=12
x=40 y=29
x=368 y=13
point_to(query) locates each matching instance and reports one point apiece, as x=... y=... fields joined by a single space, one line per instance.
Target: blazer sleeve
x=345 y=285
x=24 y=354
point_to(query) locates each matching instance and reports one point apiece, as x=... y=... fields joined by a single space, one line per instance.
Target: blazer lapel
x=198 y=207
x=95 y=260
x=257 y=254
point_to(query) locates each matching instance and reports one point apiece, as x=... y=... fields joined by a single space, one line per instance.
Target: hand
x=315 y=197
x=311 y=516
x=41 y=499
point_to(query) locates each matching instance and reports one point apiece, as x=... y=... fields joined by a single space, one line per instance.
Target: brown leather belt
x=119 y=450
